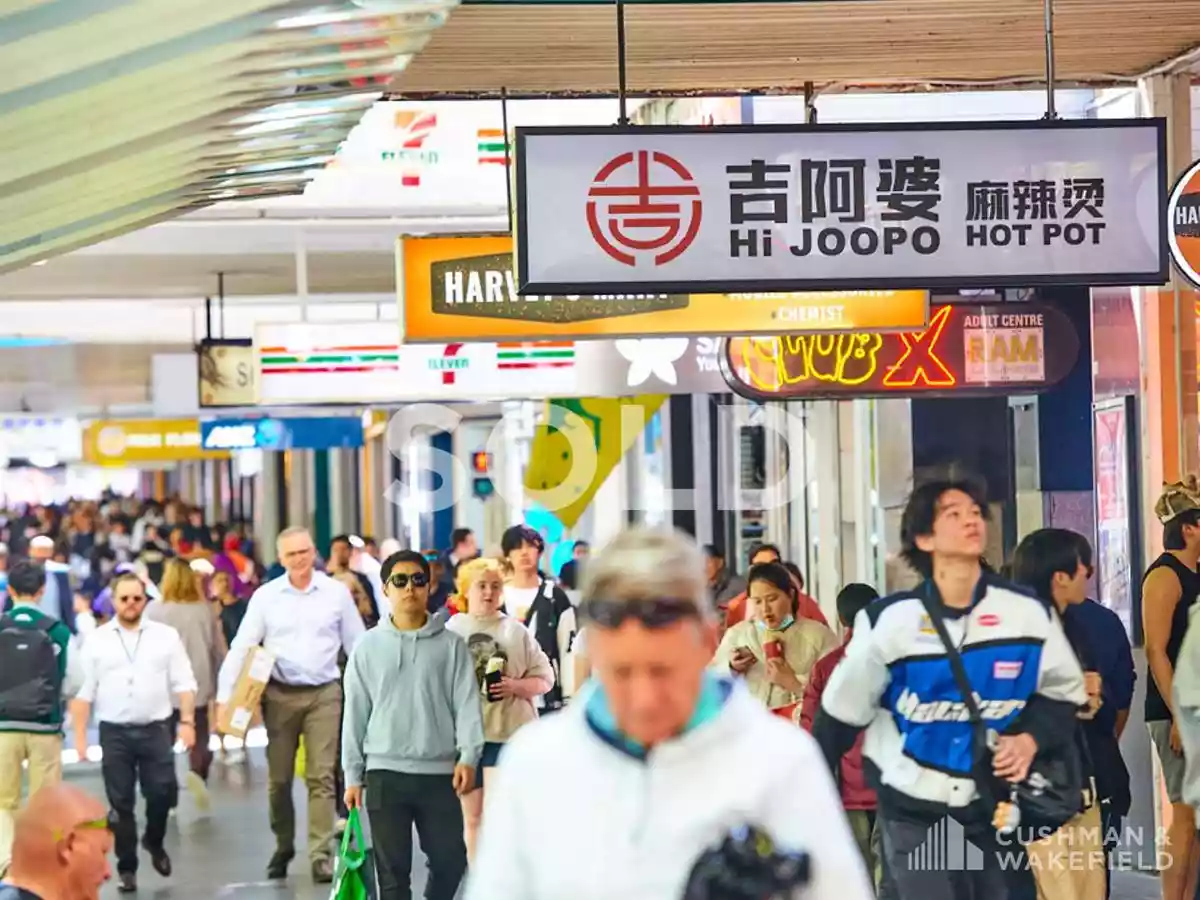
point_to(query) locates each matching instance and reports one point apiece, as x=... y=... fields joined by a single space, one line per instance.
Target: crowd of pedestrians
x=461 y=693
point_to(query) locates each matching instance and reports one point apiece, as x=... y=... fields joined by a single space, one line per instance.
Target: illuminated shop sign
x=967 y=349
x=463 y=288
x=300 y=433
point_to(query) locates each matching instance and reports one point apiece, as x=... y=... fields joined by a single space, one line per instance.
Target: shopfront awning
x=121 y=113
x=565 y=47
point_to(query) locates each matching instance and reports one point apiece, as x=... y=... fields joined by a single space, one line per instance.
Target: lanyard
x=132 y=657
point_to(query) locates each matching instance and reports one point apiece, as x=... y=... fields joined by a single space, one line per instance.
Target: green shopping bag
x=352 y=878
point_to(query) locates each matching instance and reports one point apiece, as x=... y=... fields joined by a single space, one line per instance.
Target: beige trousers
x=43 y=752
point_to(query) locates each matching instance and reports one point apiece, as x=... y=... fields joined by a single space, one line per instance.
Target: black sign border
x=1012 y=389
x=1159 y=276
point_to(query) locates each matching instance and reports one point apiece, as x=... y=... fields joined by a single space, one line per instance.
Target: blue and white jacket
x=896 y=682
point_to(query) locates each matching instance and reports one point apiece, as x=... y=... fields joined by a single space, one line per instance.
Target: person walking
x=39 y=667
x=1170 y=588
x=621 y=794
x=919 y=737
x=304 y=619
x=511 y=670
x=184 y=608
x=413 y=734
x=543 y=606
x=136 y=673
x=58 y=599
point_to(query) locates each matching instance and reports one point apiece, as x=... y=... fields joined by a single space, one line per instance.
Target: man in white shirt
x=133 y=669
x=304 y=619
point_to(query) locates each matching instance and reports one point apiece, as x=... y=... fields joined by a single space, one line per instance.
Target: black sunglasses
x=401 y=579
x=651 y=613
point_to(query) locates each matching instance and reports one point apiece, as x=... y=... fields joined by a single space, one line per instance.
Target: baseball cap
x=1177 y=498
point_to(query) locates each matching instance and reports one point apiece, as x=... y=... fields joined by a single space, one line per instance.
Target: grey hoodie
x=412 y=703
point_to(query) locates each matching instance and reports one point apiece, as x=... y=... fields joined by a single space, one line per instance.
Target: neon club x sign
x=967 y=349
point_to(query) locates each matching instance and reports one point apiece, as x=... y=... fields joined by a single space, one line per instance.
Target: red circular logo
x=989 y=620
x=644 y=201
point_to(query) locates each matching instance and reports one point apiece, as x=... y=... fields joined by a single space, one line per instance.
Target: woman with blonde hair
x=510 y=666
x=185 y=608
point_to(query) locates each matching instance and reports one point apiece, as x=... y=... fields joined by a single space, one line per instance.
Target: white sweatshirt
x=569 y=815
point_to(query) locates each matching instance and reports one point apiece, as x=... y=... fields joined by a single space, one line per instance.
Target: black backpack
x=548 y=606
x=30 y=681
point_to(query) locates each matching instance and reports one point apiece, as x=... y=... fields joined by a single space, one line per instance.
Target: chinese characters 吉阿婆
x=832 y=206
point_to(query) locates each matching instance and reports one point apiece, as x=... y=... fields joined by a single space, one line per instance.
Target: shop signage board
x=457 y=288
x=300 y=433
x=130 y=442
x=226 y=372
x=826 y=207
x=39 y=439
x=967 y=350
x=347 y=363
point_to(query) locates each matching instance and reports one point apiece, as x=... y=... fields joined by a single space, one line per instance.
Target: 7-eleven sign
x=413 y=128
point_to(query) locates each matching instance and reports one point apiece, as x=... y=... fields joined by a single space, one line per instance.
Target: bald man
x=61 y=847
x=58 y=599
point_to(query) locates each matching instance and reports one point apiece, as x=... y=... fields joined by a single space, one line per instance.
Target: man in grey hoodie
x=412 y=734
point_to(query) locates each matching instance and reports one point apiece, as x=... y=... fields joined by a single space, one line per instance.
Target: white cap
x=202 y=566
x=42 y=542
x=356 y=542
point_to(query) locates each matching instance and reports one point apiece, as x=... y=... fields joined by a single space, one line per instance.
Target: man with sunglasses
x=675 y=755
x=133 y=669
x=413 y=734
x=304 y=619
x=61 y=847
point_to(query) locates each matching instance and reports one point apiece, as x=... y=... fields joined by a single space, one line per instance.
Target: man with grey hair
x=304 y=619
x=655 y=724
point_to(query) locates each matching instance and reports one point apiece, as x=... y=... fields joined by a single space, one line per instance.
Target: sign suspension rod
x=622 y=111
x=1048 y=8
x=507 y=156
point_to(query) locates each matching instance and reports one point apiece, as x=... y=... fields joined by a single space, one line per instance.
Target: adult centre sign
x=830 y=207
x=463 y=289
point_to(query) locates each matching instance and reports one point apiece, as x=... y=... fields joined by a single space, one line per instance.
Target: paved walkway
x=224 y=853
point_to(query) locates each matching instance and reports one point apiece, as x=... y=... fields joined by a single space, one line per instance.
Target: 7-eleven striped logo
x=450 y=363
x=414 y=127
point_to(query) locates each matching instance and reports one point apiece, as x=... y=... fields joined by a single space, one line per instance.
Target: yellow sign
x=464 y=289
x=127 y=442
x=578 y=446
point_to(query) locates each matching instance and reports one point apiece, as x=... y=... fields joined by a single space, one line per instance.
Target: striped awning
x=569 y=47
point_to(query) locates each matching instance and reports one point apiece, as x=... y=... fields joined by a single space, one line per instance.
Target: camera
x=746 y=865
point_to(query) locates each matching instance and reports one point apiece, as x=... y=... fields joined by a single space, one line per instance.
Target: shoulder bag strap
x=954 y=658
